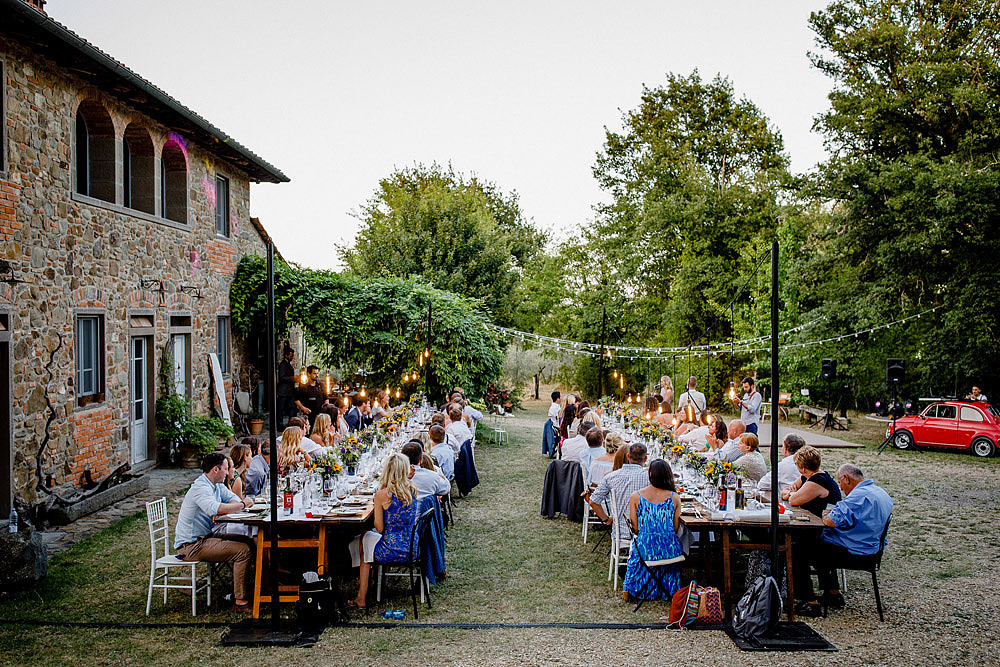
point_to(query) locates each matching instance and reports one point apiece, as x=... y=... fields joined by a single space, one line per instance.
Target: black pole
x=427 y=360
x=272 y=406
x=774 y=408
x=600 y=365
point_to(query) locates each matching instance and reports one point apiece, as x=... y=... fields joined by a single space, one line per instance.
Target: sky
x=338 y=95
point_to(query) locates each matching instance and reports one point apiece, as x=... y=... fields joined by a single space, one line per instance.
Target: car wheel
x=903 y=439
x=982 y=447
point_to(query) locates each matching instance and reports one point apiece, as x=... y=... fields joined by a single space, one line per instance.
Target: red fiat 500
x=955 y=424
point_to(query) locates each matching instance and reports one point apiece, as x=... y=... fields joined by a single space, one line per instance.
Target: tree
x=460 y=234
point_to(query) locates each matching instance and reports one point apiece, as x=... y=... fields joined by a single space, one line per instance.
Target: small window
x=222 y=206
x=89 y=358
x=971 y=415
x=95 y=151
x=222 y=347
x=946 y=412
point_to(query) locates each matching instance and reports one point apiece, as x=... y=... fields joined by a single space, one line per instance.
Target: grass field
x=506 y=564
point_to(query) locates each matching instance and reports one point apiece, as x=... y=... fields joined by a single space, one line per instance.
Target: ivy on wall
x=379 y=325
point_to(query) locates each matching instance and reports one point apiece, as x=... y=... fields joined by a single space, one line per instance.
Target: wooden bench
x=817 y=416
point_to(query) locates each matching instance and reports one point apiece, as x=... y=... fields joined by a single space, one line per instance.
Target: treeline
x=902 y=217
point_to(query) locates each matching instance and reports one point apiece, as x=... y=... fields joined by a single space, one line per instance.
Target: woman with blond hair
x=602 y=465
x=395 y=513
x=290 y=452
x=322 y=435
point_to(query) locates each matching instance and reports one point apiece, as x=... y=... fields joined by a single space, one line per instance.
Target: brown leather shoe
x=243 y=608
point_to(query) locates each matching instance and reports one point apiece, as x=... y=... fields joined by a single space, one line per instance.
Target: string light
x=304 y=380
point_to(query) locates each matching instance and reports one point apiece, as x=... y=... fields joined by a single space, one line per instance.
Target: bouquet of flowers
x=325 y=462
x=675 y=452
x=720 y=472
x=351 y=449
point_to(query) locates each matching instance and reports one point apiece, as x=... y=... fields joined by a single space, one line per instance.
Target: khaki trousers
x=216 y=550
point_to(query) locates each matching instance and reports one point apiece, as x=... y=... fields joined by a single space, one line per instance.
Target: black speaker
x=894 y=371
x=828 y=369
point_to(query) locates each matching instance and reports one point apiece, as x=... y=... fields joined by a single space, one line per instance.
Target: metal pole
x=600 y=365
x=774 y=408
x=272 y=406
x=427 y=362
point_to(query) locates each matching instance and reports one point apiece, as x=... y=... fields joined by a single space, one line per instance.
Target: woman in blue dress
x=655 y=514
x=395 y=512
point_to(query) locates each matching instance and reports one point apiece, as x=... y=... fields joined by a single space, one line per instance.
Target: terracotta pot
x=189 y=458
x=256 y=426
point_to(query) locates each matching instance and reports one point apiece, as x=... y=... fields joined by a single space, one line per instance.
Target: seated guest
x=193 y=540
x=442 y=451
x=853 y=528
x=473 y=414
x=253 y=443
x=698 y=437
x=813 y=490
x=257 y=473
x=322 y=435
x=752 y=461
x=573 y=449
x=603 y=464
x=729 y=450
x=655 y=516
x=788 y=472
x=337 y=421
x=290 y=452
x=569 y=415
x=457 y=427
x=395 y=513
x=623 y=483
x=239 y=458
x=380 y=408
x=621 y=457
x=451 y=440
x=595 y=450
x=358 y=416
x=428 y=482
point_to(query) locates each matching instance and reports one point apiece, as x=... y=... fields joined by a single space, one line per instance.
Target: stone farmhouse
x=123 y=215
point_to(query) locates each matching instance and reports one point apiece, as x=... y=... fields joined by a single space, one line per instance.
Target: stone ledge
x=60 y=516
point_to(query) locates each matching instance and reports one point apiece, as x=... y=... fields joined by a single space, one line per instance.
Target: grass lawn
x=506 y=564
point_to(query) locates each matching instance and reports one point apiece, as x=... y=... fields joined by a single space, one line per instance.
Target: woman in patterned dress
x=655 y=515
x=395 y=512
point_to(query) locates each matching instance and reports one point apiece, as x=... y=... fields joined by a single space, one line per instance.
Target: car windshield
x=994 y=411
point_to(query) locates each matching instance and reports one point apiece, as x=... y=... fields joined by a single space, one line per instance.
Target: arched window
x=137 y=169
x=95 y=151
x=173 y=182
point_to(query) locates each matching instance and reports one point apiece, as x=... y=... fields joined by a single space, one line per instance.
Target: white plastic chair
x=617 y=544
x=589 y=516
x=159 y=540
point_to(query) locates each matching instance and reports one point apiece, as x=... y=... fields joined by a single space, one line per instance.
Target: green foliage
x=460 y=234
x=379 y=324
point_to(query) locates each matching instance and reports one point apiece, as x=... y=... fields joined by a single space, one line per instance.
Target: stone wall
x=77 y=253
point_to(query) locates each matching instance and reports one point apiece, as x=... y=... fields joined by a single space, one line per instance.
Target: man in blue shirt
x=258 y=472
x=194 y=540
x=442 y=452
x=853 y=531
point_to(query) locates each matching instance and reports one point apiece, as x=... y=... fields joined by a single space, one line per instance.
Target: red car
x=955 y=424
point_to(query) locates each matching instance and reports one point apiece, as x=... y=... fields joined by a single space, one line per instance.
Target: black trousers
x=284 y=409
x=826 y=558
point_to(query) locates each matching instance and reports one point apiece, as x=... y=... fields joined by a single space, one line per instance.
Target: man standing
x=853 y=528
x=286 y=386
x=208 y=498
x=312 y=396
x=749 y=405
x=694 y=398
x=551 y=426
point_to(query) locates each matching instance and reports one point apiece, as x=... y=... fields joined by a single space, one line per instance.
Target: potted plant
x=256 y=422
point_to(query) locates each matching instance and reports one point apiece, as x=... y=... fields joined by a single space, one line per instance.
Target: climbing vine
x=379 y=325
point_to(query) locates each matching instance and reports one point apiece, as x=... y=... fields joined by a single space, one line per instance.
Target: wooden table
x=289 y=593
x=731 y=543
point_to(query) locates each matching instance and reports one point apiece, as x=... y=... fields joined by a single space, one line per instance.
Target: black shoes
x=811 y=610
x=834 y=600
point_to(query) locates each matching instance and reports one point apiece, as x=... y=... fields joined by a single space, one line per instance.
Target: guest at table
x=751 y=460
x=623 y=482
x=568 y=416
x=699 y=438
x=290 y=453
x=380 y=408
x=257 y=473
x=655 y=517
x=853 y=528
x=358 y=416
x=395 y=512
x=573 y=448
x=730 y=449
x=193 y=540
x=428 y=482
x=322 y=435
x=337 y=421
x=442 y=451
x=621 y=457
x=253 y=443
x=814 y=490
x=749 y=405
x=457 y=427
x=239 y=457
x=474 y=415
x=603 y=464
x=595 y=450
x=311 y=396
x=667 y=393
x=788 y=472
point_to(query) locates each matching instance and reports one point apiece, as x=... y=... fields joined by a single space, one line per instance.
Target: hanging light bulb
x=616 y=373
x=621 y=381
x=328 y=382
x=397 y=393
x=362 y=391
x=420 y=360
x=347 y=401
x=673 y=421
x=304 y=379
x=689 y=412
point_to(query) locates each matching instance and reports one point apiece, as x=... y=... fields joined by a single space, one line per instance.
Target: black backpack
x=759 y=610
x=319 y=605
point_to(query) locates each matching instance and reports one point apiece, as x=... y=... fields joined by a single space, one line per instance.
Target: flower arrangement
x=325 y=461
x=351 y=449
x=676 y=452
x=723 y=472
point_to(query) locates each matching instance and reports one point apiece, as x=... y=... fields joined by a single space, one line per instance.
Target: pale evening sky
x=339 y=94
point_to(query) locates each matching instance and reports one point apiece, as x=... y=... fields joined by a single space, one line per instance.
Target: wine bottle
x=289 y=496
x=741 y=502
x=722 y=497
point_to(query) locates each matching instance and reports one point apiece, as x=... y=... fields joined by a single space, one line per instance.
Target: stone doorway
x=6 y=418
x=141 y=398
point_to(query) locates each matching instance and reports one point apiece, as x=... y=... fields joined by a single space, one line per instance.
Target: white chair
x=589 y=516
x=617 y=545
x=159 y=540
x=499 y=433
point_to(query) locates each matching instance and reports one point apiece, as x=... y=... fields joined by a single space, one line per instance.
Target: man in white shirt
x=595 y=450
x=457 y=426
x=207 y=498
x=976 y=395
x=730 y=450
x=693 y=397
x=442 y=452
x=428 y=482
x=749 y=405
x=788 y=472
x=475 y=415
x=573 y=449
x=549 y=436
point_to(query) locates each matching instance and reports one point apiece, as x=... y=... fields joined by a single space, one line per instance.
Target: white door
x=179 y=353
x=140 y=400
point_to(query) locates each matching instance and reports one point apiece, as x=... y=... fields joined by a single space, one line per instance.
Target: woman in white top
x=380 y=408
x=322 y=435
x=752 y=460
x=602 y=465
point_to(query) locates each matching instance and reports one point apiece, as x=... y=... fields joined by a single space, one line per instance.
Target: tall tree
x=460 y=234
